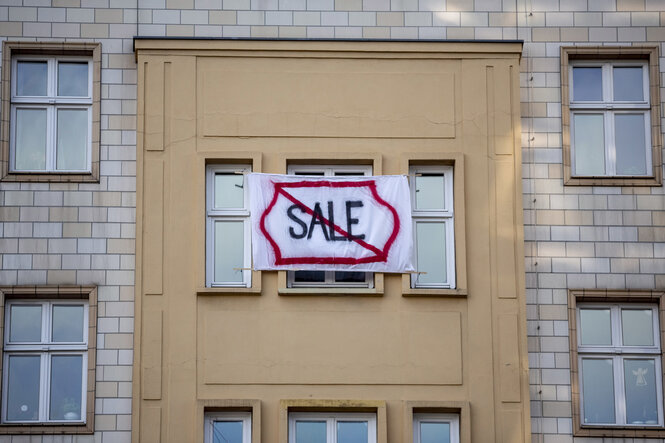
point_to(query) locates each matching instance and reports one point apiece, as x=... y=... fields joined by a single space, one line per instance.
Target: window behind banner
x=302 y=278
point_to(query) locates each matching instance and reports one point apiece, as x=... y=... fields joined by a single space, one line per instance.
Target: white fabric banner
x=331 y=223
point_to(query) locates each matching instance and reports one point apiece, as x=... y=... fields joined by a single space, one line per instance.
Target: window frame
x=618 y=353
x=607 y=57
x=424 y=216
x=235 y=214
x=46 y=349
x=623 y=298
x=452 y=419
x=52 y=103
x=57 y=295
x=329 y=276
x=213 y=416
x=53 y=51
x=331 y=417
x=610 y=108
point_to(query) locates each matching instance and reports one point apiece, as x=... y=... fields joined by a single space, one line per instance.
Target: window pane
x=31 y=78
x=315 y=173
x=310 y=432
x=30 y=139
x=349 y=174
x=595 y=327
x=67 y=323
x=229 y=251
x=637 y=327
x=229 y=192
x=352 y=432
x=23 y=388
x=641 y=397
x=587 y=84
x=309 y=276
x=430 y=192
x=72 y=145
x=349 y=277
x=227 y=432
x=589 y=144
x=25 y=323
x=66 y=373
x=431 y=259
x=628 y=84
x=434 y=432
x=630 y=144
x=73 y=79
x=598 y=390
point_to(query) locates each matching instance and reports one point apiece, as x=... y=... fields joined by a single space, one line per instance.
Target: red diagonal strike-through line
x=337 y=229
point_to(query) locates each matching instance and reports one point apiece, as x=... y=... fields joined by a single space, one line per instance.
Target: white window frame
x=46 y=349
x=235 y=214
x=327 y=171
x=446 y=216
x=212 y=417
x=51 y=103
x=608 y=107
x=331 y=418
x=618 y=353
x=452 y=419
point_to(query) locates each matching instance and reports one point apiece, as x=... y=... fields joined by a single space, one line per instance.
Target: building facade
x=594 y=219
x=294 y=348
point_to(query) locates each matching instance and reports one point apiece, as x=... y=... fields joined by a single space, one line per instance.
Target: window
x=433 y=228
x=228 y=427
x=611 y=132
x=329 y=278
x=51 y=114
x=610 y=118
x=45 y=361
x=619 y=364
x=228 y=257
x=51 y=96
x=333 y=427
x=443 y=428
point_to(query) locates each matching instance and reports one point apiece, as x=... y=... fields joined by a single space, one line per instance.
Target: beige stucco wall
x=386 y=104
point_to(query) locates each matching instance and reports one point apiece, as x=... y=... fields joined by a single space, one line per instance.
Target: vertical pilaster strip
x=154 y=106
x=512 y=428
x=153 y=228
x=166 y=124
x=151 y=426
x=151 y=362
x=503 y=249
x=503 y=116
x=500 y=148
x=505 y=228
x=509 y=358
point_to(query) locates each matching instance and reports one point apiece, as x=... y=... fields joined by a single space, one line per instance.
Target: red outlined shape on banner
x=380 y=254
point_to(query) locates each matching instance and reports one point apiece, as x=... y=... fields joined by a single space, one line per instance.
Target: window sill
x=362 y=292
x=46 y=428
x=620 y=432
x=613 y=181
x=53 y=177
x=425 y=292
x=229 y=291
